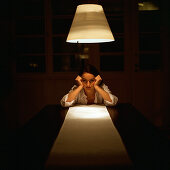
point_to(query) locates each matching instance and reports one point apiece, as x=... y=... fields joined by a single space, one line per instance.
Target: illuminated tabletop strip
x=88 y=137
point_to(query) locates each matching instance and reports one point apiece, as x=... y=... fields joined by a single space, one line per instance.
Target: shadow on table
x=30 y=145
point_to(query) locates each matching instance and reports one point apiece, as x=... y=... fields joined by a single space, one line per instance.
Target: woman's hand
x=78 y=80
x=73 y=94
x=98 y=79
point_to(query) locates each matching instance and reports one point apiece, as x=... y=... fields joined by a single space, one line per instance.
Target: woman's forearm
x=103 y=93
x=72 y=95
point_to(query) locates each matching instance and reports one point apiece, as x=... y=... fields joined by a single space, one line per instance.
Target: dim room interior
x=39 y=64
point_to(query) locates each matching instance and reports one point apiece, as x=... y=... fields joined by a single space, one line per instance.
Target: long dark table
x=147 y=147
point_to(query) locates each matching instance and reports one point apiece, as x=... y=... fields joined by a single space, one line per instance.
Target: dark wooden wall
x=24 y=95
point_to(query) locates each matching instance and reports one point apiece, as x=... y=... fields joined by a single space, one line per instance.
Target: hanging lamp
x=90 y=25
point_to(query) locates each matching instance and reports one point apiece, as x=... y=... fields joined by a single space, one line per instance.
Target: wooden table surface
x=147 y=147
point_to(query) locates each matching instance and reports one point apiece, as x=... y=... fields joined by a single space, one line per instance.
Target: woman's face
x=88 y=81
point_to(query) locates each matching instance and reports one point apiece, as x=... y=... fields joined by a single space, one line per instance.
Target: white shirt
x=82 y=98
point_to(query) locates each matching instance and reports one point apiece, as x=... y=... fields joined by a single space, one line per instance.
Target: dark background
x=12 y=115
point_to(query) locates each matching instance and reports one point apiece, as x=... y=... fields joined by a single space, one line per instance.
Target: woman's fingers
x=98 y=80
x=78 y=79
x=98 y=77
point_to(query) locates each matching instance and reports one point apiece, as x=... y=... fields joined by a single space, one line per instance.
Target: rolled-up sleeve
x=112 y=97
x=64 y=102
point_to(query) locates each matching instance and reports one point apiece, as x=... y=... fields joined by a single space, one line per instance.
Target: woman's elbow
x=113 y=102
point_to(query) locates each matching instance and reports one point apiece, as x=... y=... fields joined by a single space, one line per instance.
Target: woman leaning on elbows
x=90 y=89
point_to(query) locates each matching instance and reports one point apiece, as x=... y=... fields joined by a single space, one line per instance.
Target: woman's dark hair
x=88 y=68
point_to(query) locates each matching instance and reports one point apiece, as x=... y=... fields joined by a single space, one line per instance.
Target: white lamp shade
x=89 y=25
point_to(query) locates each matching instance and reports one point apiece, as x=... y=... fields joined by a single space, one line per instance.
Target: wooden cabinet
x=41 y=29
x=41 y=38
x=130 y=66
x=146 y=59
x=29 y=27
x=112 y=54
x=149 y=37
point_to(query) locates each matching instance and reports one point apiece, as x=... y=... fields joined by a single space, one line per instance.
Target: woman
x=90 y=89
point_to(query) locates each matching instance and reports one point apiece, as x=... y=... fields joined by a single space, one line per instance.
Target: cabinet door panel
x=147 y=59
